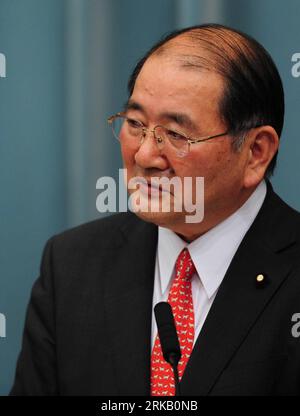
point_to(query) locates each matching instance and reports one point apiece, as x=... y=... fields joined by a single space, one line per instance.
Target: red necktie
x=180 y=298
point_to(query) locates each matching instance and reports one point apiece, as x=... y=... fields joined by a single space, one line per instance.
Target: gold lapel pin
x=260 y=278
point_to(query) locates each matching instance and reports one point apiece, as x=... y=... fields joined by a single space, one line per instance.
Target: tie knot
x=184 y=267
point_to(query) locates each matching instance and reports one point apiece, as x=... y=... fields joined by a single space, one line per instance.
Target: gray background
x=67 y=66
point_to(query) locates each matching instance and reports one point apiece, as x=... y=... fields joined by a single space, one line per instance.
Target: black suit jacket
x=88 y=324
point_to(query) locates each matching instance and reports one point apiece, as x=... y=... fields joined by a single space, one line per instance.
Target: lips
x=150 y=187
x=154 y=189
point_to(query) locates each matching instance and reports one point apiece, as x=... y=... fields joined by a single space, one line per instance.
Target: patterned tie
x=180 y=298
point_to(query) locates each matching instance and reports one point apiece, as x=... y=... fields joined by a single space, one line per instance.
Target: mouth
x=152 y=187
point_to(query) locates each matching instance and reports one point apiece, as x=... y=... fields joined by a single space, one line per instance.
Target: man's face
x=185 y=100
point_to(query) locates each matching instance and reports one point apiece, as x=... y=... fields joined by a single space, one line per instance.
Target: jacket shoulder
x=101 y=232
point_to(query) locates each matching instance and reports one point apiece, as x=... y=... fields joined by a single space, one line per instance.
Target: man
x=205 y=102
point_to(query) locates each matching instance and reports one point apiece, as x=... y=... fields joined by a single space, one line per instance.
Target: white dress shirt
x=211 y=253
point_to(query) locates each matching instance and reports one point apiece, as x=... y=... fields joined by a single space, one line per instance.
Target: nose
x=149 y=155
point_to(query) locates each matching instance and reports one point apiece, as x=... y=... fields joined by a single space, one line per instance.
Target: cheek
x=229 y=172
x=127 y=156
x=215 y=164
x=202 y=163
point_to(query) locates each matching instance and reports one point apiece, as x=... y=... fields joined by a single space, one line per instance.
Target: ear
x=262 y=145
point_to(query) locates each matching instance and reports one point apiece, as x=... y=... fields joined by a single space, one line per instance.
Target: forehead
x=165 y=82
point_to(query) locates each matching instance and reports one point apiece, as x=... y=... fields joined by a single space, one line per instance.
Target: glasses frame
x=144 y=130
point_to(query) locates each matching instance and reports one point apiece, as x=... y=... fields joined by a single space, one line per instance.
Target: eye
x=133 y=124
x=175 y=136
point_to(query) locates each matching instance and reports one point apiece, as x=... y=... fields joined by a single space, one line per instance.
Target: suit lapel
x=240 y=299
x=235 y=310
x=128 y=306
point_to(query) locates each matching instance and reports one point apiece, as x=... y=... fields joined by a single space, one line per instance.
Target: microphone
x=168 y=338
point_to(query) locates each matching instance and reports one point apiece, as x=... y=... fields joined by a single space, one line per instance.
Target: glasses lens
x=117 y=125
x=173 y=139
x=127 y=127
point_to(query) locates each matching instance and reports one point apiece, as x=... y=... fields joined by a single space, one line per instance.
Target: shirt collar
x=213 y=251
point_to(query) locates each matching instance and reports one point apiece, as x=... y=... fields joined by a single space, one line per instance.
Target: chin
x=162 y=219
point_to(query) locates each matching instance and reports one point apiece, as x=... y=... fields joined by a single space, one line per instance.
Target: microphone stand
x=173 y=360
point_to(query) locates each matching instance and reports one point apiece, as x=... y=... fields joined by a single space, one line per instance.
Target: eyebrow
x=181 y=119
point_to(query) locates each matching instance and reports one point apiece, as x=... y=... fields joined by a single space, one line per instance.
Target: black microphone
x=168 y=338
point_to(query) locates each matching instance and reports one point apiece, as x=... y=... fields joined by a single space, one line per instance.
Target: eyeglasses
x=124 y=128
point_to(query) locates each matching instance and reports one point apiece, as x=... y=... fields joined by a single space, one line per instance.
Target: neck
x=190 y=232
